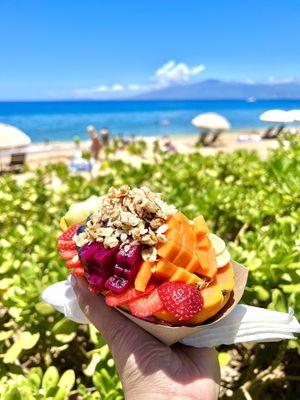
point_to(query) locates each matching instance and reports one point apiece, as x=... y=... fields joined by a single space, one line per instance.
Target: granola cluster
x=125 y=215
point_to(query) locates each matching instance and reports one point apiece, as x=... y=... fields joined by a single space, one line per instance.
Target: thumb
x=122 y=335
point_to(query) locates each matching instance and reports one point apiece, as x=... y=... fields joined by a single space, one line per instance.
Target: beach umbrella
x=12 y=137
x=295 y=115
x=276 y=116
x=211 y=121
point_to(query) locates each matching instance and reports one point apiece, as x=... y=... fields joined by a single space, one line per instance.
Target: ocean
x=61 y=120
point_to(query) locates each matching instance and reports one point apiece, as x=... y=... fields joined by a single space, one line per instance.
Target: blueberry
x=81 y=229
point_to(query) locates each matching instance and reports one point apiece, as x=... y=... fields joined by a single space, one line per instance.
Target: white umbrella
x=211 y=121
x=295 y=115
x=12 y=137
x=276 y=116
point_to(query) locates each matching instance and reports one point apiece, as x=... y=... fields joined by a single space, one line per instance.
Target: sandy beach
x=38 y=154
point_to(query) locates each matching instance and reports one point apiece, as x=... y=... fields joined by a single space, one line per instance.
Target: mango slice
x=207 y=260
x=188 y=245
x=164 y=270
x=204 y=243
x=214 y=301
x=166 y=316
x=168 y=250
x=143 y=276
x=182 y=275
x=225 y=277
x=200 y=227
x=193 y=265
x=179 y=216
x=183 y=258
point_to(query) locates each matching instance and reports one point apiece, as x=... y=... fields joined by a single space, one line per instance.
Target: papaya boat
x=146 y=257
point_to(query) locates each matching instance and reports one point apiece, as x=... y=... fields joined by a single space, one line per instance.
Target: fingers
x=207 y=361
x=119 y=332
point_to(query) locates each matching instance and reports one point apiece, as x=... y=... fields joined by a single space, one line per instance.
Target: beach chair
x=273 y=132
x=17 y=161
x=209 y=137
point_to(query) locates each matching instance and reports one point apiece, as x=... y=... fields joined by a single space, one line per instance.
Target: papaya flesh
x=200 y=227
x=208 y=311
x=215 y=297
x=143 y=276
x=188 y=256
x=214 y=301
x=188 y=245
x=225 y=277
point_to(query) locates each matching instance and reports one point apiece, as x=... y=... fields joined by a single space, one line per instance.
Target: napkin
x=243 y=324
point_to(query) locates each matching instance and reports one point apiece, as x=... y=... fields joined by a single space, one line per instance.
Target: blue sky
x=94 y=48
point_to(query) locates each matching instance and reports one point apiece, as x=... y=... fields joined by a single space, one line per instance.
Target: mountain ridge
x=214 y=89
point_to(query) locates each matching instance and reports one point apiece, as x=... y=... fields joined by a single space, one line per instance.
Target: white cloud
x=117 y=88
x=171 y=73
x=286 y=79
x=168 y=74
x=101 y=89
x=134 y=86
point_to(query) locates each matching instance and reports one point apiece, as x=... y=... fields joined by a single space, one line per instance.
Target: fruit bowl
x=150 y=261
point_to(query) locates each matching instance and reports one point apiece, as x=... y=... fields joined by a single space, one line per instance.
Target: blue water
x=60 y=120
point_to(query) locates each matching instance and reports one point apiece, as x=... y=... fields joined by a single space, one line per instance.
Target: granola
x=127 y=214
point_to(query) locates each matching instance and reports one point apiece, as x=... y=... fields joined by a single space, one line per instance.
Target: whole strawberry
x=181 y=300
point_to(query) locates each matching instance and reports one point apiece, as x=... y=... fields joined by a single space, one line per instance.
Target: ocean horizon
x=61 y=120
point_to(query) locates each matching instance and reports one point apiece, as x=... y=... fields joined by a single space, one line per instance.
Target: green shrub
x=252 y=203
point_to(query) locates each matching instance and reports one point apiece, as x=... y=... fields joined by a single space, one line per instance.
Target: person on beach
x=147 y=368
x=96 y=144
x=105 y=136
x=168 y=145
x=76 y=140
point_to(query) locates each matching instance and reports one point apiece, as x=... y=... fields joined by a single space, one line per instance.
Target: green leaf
x=35 y=378
x=44 y=308
x=5 y=335
x=292 y=288
x=13 y=352
x=261 y=293
x=224 y=359
x=64 y=326
x=28 y=340
x=65 y=384
x=13 y=394
x=50 y=380
x=4 y=243
x=5 y=283
x=278 y=301
x=90 y=369
x=65 y=338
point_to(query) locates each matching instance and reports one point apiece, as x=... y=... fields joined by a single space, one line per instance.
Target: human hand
x=149 y=369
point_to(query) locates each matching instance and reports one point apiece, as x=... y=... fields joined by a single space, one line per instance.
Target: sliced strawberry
x=147 y=305
x=78 y=272
x=68 y=234
x=74 y=264
x=181 y=300
x=68 y=254
x=66 y=245
x=115 y=300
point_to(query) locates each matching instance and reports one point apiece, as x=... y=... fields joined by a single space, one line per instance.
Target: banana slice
x=223 y=259
x=217 y=243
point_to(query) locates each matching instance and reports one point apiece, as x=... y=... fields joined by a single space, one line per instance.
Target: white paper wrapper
x=242 y=324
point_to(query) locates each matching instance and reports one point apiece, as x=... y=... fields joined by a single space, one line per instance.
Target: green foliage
x=252 y=203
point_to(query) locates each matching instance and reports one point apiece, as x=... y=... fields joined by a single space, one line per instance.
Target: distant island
x=213 y=89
